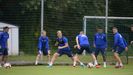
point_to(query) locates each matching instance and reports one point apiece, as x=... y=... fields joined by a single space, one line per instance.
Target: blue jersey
x=119 y=41
x=3 y=39
x=100 y=40
x=43 y=43
x=62 y=41
x=83 y=39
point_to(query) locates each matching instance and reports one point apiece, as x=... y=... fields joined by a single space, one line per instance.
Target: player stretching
x=43 y=47
x=100 y=43
x=63 y=48
x=3 y=45
x=83 y=44
x=119 y=46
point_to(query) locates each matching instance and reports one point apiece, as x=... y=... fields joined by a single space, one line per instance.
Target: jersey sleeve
x=105 y=39
x=77 y=36
x=116 y=37
x=125 y=43
x=40 y=43
x=94 y=39
x=65 y=40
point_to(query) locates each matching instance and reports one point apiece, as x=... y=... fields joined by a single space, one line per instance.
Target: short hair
x=114 y=28
x=59 y=31
x=99 y=27
x=5 y=27
x=82 y=31
x=43 y=31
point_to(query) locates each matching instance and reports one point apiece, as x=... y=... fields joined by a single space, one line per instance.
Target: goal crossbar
x=102 y=17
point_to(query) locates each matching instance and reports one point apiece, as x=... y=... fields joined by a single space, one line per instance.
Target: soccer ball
x=90 y=65
x=7 y=65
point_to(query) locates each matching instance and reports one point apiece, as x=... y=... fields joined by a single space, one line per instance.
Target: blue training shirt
x=83 y=39
x=100 y=40
x=62 y=41
x=3 y=39
x=43 y=43
x=119 y=41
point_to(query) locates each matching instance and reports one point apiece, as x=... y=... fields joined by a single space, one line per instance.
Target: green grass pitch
x=66 y=70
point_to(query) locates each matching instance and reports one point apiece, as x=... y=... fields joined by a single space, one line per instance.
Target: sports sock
x=95 y=62
x=74 y=64
x=36 y=62
x=117 y=64
x=121 y=64
x=104 y=64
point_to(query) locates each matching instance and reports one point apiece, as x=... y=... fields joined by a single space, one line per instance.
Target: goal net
x=122 y=23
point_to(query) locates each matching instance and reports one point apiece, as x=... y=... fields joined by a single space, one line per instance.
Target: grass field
x=64 y=58
x=66 y=70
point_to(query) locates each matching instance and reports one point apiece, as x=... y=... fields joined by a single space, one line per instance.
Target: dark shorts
x=1 y=52
x=44 y=51
x=66 y=51
x=119 y=50
x=84 y=47
x=102 y=50
x=4 y=51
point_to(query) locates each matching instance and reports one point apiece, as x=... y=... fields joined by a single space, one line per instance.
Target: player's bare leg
x=4 y=58
x=104 y=61
x=55 y=56
x=0 y=61
x=38 y=57
x=94 y=59
x=74 y=62
x=76 y=59
x=118 y=59
x=49 y=56
x=95 y=56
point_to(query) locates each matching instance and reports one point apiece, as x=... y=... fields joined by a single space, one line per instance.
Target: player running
x=83 y=44
x=100 y=43
x=43 y=47
x=119 y=46
x=63 y=48
x=4 y=46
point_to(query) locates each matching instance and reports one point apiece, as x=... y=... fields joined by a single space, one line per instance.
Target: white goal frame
x=101 y=17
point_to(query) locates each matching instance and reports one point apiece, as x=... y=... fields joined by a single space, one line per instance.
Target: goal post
x=123 y=24
x=102 y=17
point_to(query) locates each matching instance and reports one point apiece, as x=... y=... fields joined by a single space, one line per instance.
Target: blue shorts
x=84 y=47
x=119 y=50
x=66 y=51
x=102 y=50
x=4 y=51
x=44 y=51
